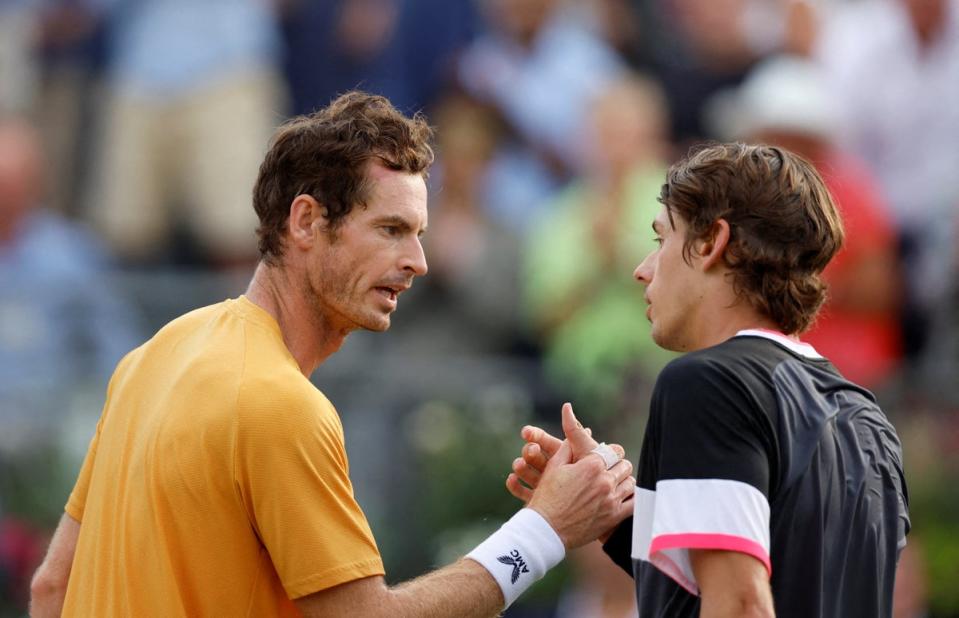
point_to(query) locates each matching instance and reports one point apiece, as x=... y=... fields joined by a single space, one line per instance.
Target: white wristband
x=520 y=553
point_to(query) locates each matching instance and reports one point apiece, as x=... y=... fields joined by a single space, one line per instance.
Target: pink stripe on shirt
x=711 y=541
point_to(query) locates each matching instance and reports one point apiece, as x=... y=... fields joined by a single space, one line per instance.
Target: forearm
x=49 y=586
x=495 y=573
x=463 y=588
x=574 y=503
x=729 y=607
x=732 y=585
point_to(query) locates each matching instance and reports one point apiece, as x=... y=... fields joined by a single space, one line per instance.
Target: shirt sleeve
x=617 y=547
x=708 y=445
x=77 y=501
x=293 y=477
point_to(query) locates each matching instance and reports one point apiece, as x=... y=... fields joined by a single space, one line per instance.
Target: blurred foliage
x=940 y=535
x=931 y=449
x=34 y=485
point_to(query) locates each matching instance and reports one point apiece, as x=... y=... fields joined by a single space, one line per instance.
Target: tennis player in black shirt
x=768 y=484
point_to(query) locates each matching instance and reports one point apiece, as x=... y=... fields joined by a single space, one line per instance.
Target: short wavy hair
x=784 y=226
x=326 y=155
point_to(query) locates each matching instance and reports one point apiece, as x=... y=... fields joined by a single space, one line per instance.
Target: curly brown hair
x=325 y=155
x=784 y=227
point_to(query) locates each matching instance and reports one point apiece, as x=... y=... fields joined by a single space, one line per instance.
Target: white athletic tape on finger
x=520 y=553
x=607 y=453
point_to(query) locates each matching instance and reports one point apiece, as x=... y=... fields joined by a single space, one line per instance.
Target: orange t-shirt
x=217 y=482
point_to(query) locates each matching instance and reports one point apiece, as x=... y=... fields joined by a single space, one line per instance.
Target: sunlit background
x=130 y=135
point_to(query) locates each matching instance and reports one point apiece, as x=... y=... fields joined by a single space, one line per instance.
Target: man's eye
x=658 y=240
x=391 y=230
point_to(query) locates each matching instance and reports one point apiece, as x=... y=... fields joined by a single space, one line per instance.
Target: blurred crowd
x=131 y=132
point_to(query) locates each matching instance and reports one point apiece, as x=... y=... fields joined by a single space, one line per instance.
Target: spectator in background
x=59 y=322
x=697 y=48
x=579 y=295
x=18 y=70
x=894 y=67
x=784 y=102
x=69 y=50
x=539 y=66
x=193 y=95
x=402 y=49
x=473 y=283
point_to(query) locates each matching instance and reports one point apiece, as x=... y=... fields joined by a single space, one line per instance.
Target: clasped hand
x=569 y=485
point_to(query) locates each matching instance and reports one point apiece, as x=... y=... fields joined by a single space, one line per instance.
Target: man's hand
x=541 y=446
x=582 y=500
x=574 y=491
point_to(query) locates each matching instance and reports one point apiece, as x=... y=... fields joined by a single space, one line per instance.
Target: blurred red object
x=21 y=551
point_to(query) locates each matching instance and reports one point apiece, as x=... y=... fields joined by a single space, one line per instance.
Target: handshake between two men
x=576 y=491
x=582 y=502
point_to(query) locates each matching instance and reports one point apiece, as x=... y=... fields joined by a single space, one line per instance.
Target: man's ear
x=307 y=219
x=712 y=248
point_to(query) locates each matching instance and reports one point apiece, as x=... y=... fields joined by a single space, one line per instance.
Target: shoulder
x=735 y=376
x=285 y=403
x=731 y=361
x=202 y=343
x=188 y=323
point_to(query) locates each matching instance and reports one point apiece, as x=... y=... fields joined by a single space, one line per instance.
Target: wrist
x=520 y=552
x=549 y=522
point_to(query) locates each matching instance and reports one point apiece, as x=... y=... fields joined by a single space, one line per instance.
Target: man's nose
x=644 y=272
x=414 y=259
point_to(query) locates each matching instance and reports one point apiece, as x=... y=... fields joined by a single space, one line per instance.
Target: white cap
x=784 y=93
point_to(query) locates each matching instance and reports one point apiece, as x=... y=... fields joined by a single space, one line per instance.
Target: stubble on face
x=372 y=255
x=335 y=293
x=325 y=287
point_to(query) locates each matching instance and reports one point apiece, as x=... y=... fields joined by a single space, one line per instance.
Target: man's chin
x=660 y=339
x=378 y=325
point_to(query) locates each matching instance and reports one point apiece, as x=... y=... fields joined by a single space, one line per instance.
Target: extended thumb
x=579 y=439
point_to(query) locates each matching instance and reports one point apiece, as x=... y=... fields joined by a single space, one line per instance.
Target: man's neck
x=725 y=321
x=310 y=337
